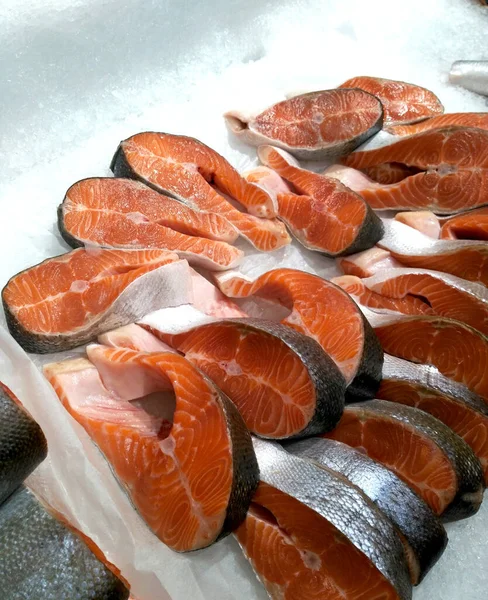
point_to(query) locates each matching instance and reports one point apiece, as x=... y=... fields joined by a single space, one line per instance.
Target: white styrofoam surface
x=78 y=76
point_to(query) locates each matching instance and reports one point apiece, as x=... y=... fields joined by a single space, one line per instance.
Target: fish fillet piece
x=434 y=461
x=467 y=259
x=467 y=119
x=402 y=102
x=454 y=175
x=469 y=225
x=456 y=349
x=447 y=295
x=310 y=534
x=282 y=382
x=421 y=532
x=68 y=300
x=357 y=288
x=312 y=126
x=22 y=444
x=322 y=311
x=191 y=474
x=424 y=387
x=423 y=220
x=323 y=215
x=184 y=168
x=368 y=262
x=388 y=173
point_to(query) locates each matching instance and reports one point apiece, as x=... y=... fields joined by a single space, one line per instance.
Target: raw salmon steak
x=421 y=532
x=388 y=173
x=323 y=312
x=402 y=102
x=467 y=259
x=454 y=171
x=311 y=534
x=424 y=387
x=434 y=461
x=186 y=461
x=282 y=382
x=68 y=300
x=185 y=169
x=313 y=126
x=323 y=214
x=466 y=119
x=469 y=225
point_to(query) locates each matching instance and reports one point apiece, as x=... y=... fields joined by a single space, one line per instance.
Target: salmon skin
x=422 y=533
x=467 y=119
x=311 y=534
x=42 y=558
x=185 y=168
x=159 y=457
x=325 y=313
x=22 y=444
x=68 y=300
x=323 y=215
x=466 y=259
x=313 y=126
x=388 y=173
x=435 y=462
x=402 y=102
x=469 y=225
x=121 y=213
x=424 y=387
x=453 y=178
x=282 y=382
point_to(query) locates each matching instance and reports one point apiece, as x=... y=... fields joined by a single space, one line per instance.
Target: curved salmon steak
x=424 y=387
x=424 y=536
x=425 y=453
x=68 y=300
x=191 y=474
x=325 y=313
x=310 y=534
x=467 y=259
x=402 y=102
x=388 y=173
x=282 y=382
x=447 y=295
x=469 y=225
x=467 y=119
x=407 y=304
x=323 y=215
x=368 y=262
x=121 y=213
x=313 y=126
x=454 y=177
x=184 y=168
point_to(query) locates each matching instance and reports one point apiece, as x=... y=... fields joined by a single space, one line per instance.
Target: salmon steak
x=402 y=102
x=282 y=382
x=312 y=126
x=424 y=536
x=454 y=171
x=122 y=213
x=365 y=296
x=467 y=119
x=186 y=460
x=424 y=387
x=467 y=259
x=311 y=534
x=322 y=311
x=199 y=177
x=323 y=215
x=388 y=173
x=469 y=225
x=426 y=454
x=66 y=301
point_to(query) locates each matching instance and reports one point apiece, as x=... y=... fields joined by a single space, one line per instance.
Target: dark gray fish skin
x=466 y=465
x=22 y=444
x=420 y=527
x=41 y=559
x=472 y=75
x=371 y=232
x=342 y=504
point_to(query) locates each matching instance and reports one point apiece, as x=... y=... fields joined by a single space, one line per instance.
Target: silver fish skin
x=472 y=75
x=22 y=444
x=342 y=504
x=41 y=558
x=421 y=528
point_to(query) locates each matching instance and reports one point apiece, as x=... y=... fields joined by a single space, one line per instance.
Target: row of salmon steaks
x=334 y=436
